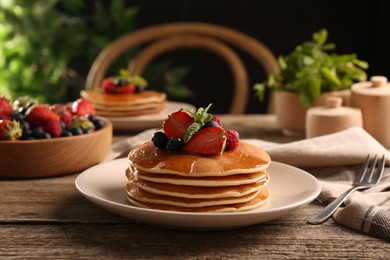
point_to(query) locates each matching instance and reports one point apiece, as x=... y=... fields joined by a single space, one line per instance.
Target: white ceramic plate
x=290 y=188
x=147 y=121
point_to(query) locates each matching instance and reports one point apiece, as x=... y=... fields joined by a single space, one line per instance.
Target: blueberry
x=27 y=134
x=63 y=125
x=138 y=89
x=76 y=131
x=159 y=139
x=98 y=123
x=87 y=130
x=210 y=123
x=17 y=116
x=39 y=133
x=25 y=125
x=120 y=82
x=174 y=144
x=66 y=133
x=92 y=117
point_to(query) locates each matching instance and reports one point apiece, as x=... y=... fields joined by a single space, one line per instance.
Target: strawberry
x=108 y=85
x=53 y=128
x=10 y=130
x=177 y=123
x=127 y=89
x=64 y=114
x=231 y=140
x=209 y=141
x=5 y=108
x=41 y=115
x=82 y=107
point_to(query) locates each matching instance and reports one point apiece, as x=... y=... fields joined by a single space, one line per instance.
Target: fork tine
x=368 y=176
x=363 y=169
x=380 y=169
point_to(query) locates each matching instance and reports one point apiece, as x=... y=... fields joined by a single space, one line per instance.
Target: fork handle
x=328 y=211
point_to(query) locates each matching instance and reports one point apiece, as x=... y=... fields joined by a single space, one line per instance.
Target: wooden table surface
x=48 y=219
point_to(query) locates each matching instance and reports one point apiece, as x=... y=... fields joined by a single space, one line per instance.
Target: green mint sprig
x=200 y=118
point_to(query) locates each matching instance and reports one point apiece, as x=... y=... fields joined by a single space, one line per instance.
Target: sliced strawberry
x=177 y=123
x=210 y=140
x=128 y=89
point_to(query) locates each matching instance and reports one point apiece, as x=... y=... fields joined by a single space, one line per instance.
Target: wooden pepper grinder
x=373 y=98
x=331 y=118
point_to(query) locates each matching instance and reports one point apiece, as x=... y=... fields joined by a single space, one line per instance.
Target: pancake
x=236 y=179
x=197 y=192
x=261 y=199
x=147 y=96
x=125 y=105
x=129 y=112
x=181 y=181
x=245 y=159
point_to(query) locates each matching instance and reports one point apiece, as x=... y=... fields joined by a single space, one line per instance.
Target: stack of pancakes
x=232 y=181
x=118 y=105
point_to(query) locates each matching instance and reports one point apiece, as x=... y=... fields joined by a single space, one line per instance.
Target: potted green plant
x=307 y=75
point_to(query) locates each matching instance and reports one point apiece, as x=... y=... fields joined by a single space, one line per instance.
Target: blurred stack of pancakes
x=230 y=182
x=122 y=105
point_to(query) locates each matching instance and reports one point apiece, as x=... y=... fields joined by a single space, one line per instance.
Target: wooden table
x=48 y=219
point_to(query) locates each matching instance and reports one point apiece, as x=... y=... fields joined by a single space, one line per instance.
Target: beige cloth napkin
x=332 y=159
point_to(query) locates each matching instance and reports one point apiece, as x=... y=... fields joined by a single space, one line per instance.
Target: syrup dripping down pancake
x=245 y=159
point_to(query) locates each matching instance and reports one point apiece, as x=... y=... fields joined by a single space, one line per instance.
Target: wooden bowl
x=52 y=157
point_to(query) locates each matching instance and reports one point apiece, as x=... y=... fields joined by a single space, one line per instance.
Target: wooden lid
x=377 y=86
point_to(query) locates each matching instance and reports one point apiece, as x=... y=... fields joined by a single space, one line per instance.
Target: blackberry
x=159 y=139
x=174 y=144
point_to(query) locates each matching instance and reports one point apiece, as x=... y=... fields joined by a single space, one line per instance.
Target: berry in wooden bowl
x=55 y=156
x=43 y=140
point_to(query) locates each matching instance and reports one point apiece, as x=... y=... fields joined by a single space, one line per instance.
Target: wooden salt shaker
x=331 y=118
x=373 y=98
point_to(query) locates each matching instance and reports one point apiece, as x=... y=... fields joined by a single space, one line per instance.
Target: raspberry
x=232 y=140
x=218 y=120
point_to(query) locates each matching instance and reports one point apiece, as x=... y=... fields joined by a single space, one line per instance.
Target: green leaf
x=175 y=75
x=179 y=91
x=138 y=80
x=191 y=130
x=321 y=36
x=259 y=90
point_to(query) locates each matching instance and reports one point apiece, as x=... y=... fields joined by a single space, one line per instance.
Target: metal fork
x=366 y=178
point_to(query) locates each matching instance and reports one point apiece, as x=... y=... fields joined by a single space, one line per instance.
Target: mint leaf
x=191 y=130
